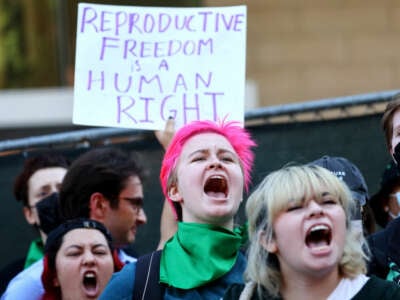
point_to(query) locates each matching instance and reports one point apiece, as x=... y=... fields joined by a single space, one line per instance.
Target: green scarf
x=198 y=254
x=35 y=252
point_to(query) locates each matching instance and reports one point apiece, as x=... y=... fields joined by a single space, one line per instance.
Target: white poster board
x=137 y=66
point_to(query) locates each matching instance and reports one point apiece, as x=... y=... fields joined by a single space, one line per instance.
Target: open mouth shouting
x=318 y=238
x=90 y=284
x=216 y=186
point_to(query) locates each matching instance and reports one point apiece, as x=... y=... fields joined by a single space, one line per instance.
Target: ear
x=173 y=194
x=28 y=213
x=98 y=206
x=56 y=282
x=269 y=244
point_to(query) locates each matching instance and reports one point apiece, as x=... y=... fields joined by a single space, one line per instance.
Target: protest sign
x=137 y=66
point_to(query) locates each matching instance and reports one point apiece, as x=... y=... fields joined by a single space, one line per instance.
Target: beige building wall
x=313 y=49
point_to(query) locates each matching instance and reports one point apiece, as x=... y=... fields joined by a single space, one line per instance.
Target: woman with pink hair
x=203 y=174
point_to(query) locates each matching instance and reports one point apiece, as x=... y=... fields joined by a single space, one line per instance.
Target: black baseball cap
x=56 y=234
x=348 y=172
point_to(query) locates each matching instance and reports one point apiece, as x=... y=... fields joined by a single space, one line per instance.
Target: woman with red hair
x=79 y=261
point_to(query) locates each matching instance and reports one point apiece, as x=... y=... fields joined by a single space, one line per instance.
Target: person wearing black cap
x=82 y=249
x=103 y=184
x=348 y=172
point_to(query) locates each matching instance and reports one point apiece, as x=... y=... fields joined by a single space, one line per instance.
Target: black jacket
x=385 y=248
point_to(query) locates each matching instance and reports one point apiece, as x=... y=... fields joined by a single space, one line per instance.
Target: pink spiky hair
x=239 y=138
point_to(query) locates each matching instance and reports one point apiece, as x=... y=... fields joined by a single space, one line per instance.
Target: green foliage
x=37 y=39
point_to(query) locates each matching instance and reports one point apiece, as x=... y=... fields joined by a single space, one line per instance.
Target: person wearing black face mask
x=49 y=213
x=41 y=176
x=385 y=244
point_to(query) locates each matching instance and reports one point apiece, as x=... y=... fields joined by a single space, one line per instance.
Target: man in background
x=40 y=176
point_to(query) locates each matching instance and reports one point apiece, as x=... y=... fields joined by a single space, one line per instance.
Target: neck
x=304 y=287
x=224 y=224
x=43 y=236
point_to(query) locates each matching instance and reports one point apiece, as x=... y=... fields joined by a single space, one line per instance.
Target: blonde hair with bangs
x=294 y=184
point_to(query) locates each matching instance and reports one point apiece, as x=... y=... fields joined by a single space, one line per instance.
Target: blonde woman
x=301 y=246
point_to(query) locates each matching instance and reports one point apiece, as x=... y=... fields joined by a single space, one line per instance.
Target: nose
x=141 y=217
x=214 y=163
x=88 y=258
x=54 y=189
x=315 y=209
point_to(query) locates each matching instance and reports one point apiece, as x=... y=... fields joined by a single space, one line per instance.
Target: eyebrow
x=45 y=187
x=100 y=245
x=206 y=151
x=201 y=151
x=326 y=194
x=134 y=200
x=80 y=246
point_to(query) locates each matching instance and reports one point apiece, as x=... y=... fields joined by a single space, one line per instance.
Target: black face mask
x=396 y=155
x=48 y=212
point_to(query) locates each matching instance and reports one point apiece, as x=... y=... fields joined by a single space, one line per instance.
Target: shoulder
x=9 y=272
x=240 y=264
x=124 y=257
x=121 y=283
x=377 y=240
x=378 y=246
x=27 y=282
x=387 y=234
x=377 y=288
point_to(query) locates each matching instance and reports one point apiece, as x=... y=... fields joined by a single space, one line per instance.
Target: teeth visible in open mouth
x=318 y=235
x=90 y=280
x=216 y=186
x=319 y=227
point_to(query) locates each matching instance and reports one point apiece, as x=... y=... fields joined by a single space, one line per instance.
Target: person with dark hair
x=385 y=203
x=391 y=127
x=203 y=174
x=40 y=176
x=103 y=184
x=79 y=260
x=301 y=243
x=384 y=245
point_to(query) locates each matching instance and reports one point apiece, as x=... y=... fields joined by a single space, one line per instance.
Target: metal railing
x=262 y=114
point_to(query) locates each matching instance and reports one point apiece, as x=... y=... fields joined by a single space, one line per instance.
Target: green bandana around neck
x=198 y=254
x=35 y=252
